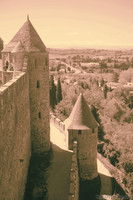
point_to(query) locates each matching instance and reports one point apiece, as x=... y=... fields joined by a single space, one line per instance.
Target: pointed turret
x=81 y=117
x=82 y=127
x=29 y=38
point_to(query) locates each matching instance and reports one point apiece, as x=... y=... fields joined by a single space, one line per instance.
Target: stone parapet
x=57 y=122
x=74 y=175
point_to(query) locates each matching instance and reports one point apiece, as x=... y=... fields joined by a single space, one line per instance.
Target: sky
x=71 y=23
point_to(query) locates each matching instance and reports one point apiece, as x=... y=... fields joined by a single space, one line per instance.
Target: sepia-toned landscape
x=66 y=100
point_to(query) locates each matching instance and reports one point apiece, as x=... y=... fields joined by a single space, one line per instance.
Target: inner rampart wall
x=15 y=143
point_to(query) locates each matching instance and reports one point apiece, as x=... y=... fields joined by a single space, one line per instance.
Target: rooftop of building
x=81 y=117
x=28 y=38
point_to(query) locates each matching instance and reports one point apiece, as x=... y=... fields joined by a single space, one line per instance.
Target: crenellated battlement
x=20 y=80
x=57 y=122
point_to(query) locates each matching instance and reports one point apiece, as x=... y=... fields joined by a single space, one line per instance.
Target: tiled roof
x=81 y=117
x=28 y=37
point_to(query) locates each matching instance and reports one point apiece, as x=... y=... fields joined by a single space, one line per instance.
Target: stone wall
x=57 y=122
x=39 y=101
x=87 y=154
x=74 y=175
x=87 y=151
x=15 y=147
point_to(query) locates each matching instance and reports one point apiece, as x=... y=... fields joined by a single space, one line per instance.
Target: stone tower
x=26 y=52
x=83 y=128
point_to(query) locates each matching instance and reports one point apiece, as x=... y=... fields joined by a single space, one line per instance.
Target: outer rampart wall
x=15 y=147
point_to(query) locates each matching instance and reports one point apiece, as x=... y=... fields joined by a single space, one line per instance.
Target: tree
x=115 y=77
x=105 y=90
x=126 y=76
x=103 y=65
x=59 y=91
x=102 y=82
x=52 y=88
x=95 y=113
x=58 y=67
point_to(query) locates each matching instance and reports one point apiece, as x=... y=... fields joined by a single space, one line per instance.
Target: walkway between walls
x=58 y=182
x=59 y=171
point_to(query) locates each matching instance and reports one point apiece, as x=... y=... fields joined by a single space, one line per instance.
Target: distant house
x=1 y=46
x=113 y=85
x=129 y=86
x=130 y=83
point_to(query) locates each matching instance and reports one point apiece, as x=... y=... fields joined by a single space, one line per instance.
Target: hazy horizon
x=72 y=24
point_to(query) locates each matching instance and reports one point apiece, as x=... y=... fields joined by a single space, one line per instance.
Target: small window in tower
x=79 y=132
x=7 y=65
x=38 y=84
x=35 y=63
x=46 y=62
x=93 y=130
x=39 y=115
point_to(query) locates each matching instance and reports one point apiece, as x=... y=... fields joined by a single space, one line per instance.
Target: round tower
x=38 y=89
x=28 y=53
x=39 y=101
x=82 y=127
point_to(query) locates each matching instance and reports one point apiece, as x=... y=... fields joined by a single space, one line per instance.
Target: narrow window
x=35 y=63
x=79 y=132
x=93 y=130
x=39 y=115
x=38 y=84
x=46 y=62
x=7 y=65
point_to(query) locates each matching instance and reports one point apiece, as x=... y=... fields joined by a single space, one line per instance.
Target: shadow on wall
x=36 y=187
x=59 y=174
x=89 y=189
x=101 y=188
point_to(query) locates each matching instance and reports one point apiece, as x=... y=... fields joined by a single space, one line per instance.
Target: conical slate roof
x=18 y=48
x=81 y=117
x=29 y=38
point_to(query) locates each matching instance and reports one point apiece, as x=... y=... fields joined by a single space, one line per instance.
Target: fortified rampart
x=74 y=174
x=15 y=142
x=57 y=122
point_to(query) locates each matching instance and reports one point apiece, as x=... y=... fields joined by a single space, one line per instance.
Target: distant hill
x=98 y=52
